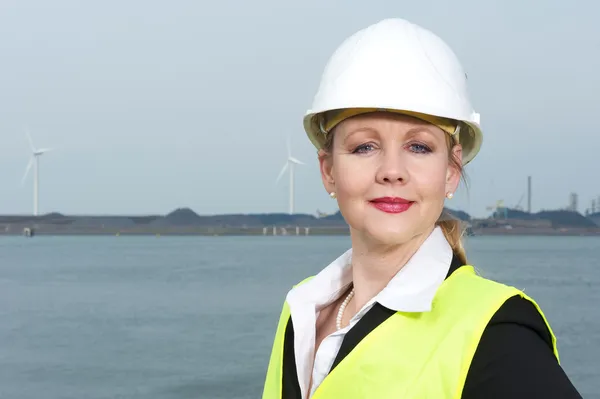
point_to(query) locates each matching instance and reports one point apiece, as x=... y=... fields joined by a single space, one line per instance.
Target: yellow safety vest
x=412 y=355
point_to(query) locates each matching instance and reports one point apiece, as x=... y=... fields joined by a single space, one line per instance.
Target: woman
x=401 y=314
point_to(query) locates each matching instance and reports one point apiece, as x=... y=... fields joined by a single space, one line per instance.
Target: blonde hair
x=453 y=231
x=452 y=228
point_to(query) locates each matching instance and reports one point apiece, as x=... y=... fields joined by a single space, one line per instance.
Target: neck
x=375 y=264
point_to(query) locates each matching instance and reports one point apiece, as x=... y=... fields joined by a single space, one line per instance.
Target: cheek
x=353 y=183
x=430 y=182
x=352 y=178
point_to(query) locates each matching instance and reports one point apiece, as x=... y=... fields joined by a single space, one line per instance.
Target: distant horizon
x=324 y=214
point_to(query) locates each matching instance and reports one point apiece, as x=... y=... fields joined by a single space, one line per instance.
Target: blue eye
x=362 y=149
x=420 y=148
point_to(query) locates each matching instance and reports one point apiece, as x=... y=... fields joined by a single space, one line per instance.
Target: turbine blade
x=285 y=166
x=296 y=161
x=29 y=140
x=43 y=150
x=29 y=165
x=289 y=146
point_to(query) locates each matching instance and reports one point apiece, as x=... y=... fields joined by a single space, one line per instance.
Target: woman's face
x=391 y=174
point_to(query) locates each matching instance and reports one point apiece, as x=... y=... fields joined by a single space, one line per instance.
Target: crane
x=495 y=208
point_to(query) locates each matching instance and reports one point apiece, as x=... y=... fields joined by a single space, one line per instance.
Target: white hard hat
x=398 y=66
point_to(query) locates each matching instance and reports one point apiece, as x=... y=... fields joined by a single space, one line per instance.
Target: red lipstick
x=391 y=204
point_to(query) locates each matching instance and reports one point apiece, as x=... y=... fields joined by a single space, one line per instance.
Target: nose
x=392 y=168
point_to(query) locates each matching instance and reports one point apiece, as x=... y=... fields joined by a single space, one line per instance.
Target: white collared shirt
x=411 y=290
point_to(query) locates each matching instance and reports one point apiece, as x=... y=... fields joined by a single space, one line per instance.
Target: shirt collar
x=412 y=289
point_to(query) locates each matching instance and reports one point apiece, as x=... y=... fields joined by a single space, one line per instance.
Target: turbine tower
x=290 y=163
x=35 y=162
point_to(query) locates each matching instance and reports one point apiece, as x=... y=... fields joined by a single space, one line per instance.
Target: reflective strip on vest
x=412 y=355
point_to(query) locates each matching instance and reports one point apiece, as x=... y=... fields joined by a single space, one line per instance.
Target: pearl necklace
x=338 y=319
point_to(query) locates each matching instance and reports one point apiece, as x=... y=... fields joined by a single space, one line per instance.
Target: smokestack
x=529 y=194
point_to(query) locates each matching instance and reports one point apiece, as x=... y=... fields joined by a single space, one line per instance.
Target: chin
x=387 y=233
x=381 y=228
x=391 y=237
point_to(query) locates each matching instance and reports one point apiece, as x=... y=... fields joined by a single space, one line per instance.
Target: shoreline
x=45 y=230
x=185 y=222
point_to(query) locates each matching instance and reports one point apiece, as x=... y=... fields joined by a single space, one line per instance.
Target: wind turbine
x=290 y=163
x=35 y=162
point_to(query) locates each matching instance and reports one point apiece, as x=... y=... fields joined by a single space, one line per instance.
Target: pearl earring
x=332 y=194
x=449 y=195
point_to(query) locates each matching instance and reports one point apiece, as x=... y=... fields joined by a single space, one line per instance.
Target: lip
x=391 y=204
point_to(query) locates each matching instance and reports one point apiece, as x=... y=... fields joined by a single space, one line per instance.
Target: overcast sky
x=154 y=105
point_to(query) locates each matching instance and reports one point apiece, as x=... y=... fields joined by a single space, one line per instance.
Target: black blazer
x=514 y=358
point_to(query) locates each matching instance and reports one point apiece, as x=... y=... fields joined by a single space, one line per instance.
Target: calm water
x=193 y=317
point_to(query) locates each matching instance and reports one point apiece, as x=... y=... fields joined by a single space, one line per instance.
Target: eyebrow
x=420 y=129
x=410 y=133
x=359 y=130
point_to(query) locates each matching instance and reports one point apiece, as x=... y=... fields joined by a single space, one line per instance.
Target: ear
x=453 y=173
x=326 y=168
